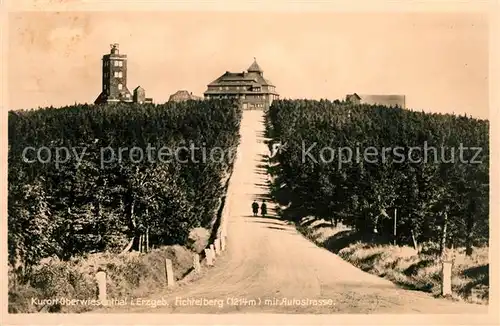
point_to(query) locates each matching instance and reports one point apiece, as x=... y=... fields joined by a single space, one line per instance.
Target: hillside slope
x=268 y=259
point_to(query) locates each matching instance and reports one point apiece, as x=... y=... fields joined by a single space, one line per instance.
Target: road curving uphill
x=269 y=267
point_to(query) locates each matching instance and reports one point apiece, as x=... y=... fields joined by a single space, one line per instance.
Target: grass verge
x=402 y=264
x=130 y=275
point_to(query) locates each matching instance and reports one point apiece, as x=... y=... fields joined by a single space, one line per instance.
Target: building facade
x=140 y=96
x=114 y=78
x=386 y=100
x=250 y=87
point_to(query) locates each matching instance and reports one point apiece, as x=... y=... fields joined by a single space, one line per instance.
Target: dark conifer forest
x=104 y=204
x=438 y=198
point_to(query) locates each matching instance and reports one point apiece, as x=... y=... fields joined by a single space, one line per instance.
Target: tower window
x=118 y=74
x=118 y=63
x=120 y=86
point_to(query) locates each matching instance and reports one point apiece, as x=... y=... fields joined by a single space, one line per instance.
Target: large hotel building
x=250 y=87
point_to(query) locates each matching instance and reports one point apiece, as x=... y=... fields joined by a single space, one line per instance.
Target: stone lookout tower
x=114 y=79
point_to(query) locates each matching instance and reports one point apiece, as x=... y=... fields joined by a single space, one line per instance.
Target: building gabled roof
x=248 y=79
x=246 y=82
x=101 y=98
x=254 y=67
x=234 y=79
x=379 y=99
x=386 y=99
x=183 y=95
x=353 y=95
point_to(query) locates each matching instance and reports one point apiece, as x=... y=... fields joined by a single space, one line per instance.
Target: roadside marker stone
x=212 y=248
x=223 y=243
x=446 y=278
x=208 y=257
x=217 y=246
x=101 y=286
x=196 y=263
x=169 y=271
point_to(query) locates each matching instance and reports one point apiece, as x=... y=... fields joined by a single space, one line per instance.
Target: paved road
x=268 y=261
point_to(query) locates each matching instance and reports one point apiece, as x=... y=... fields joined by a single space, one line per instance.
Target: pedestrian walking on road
x=263 y=208
x=255 y=208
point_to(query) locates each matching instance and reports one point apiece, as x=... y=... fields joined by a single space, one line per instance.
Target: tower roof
x=114 y=48
x=254 y=67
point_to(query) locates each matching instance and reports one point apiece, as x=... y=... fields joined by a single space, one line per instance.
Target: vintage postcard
x=249 y=163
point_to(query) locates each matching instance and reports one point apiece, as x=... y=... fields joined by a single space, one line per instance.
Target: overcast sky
x=439 y=61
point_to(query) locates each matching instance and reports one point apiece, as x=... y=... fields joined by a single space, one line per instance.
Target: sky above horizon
x=439 y=61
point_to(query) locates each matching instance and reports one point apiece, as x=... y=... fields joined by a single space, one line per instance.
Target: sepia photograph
x=190 y=162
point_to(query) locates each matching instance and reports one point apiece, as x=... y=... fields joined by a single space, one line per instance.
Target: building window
x=118 y=63
x=105 y=86
x=120 y=86
x=220 y=88
x=118 y=74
